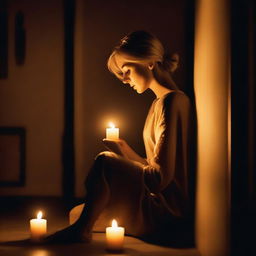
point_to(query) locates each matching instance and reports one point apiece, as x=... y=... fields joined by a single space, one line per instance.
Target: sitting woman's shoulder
x=174 y=97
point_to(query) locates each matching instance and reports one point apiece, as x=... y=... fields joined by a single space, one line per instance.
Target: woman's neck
x=158 y=89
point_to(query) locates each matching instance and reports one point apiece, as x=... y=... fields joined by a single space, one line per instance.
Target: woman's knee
x=97 y=172
x=104 y=156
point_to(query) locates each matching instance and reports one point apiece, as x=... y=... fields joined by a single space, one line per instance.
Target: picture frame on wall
x=12 y=156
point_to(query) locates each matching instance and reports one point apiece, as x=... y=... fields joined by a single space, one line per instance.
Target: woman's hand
x=113 y=146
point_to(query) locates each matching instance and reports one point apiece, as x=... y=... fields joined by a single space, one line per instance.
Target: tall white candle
x=38 y=227
x=115 y=237
x=112 y=133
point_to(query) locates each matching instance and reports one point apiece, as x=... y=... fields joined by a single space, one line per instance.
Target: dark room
x=127 y=127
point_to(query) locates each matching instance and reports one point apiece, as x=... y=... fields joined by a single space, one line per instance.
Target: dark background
x=54 y=84
x=58 y=89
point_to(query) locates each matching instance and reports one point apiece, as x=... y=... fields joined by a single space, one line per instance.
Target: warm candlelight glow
x=112 y=133
x=115 y=237
x=38 y=227
x=114 y=224
x=39 y=215
x=111 y=125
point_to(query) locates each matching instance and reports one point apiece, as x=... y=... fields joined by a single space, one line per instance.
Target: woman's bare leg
x=98 y=194
x=96 y=200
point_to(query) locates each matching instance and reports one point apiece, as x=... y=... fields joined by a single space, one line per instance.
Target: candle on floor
x=38 y=227
x=115 y=237
x=112 y=133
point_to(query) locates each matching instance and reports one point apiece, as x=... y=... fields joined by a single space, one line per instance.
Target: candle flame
x=39 y=215
x=111 y=125
x=114 y=224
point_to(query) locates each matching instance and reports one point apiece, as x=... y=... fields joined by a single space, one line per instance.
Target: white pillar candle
x=115 y=237
x=112 y=133
x=38 y=227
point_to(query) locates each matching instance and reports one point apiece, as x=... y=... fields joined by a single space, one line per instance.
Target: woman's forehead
x=122 y=59
x=118 y=61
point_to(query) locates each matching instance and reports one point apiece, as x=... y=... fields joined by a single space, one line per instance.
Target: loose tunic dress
x=153 y=201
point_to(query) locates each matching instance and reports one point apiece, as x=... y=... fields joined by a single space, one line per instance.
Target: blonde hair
x=143 y=47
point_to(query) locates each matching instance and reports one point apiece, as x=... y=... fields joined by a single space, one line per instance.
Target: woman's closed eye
x=120 y=75
x=126 y=74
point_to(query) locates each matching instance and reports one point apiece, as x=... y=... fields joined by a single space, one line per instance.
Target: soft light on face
x=131 y=71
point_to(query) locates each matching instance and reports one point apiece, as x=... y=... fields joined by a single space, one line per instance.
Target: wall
x=32 y=96
x=211 y=81
x=100 y=97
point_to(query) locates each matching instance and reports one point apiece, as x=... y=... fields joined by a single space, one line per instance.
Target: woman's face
x=137 y=75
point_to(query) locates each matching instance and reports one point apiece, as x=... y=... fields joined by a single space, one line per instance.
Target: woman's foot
x=71 y=234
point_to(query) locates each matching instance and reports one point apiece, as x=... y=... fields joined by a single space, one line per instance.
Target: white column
x=211 y=80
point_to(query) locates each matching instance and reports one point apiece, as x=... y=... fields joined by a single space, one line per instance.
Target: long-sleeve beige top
x=166 y=138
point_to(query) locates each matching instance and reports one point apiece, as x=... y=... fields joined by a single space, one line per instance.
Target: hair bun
x=171 y=62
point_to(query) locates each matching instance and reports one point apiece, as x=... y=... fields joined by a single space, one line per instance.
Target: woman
x=151 y=196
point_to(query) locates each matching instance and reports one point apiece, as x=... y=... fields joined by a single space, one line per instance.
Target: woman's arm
x=170 y=152
x=121 y=147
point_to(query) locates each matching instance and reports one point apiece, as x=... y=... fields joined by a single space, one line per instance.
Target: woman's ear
x=151 y=65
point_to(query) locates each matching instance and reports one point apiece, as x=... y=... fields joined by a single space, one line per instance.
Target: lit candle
x=115 y=237
x=112 y=133
x=38 y=227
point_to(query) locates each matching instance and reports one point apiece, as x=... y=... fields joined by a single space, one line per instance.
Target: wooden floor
x=14 y=227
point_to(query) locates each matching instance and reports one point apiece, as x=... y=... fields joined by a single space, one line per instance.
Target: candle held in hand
x=38 y=227
x=115 y=237
x=112 y=133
